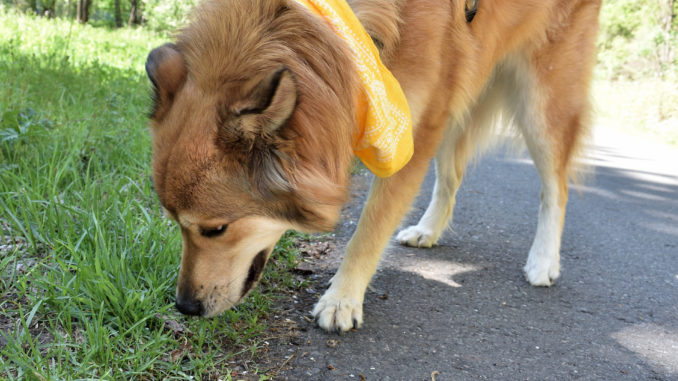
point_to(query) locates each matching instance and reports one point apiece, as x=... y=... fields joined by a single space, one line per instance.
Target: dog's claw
x=337 y=314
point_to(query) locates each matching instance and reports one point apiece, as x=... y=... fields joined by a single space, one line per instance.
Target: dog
x=254 y=118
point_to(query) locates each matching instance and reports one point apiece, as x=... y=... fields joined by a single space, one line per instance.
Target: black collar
x=471 y=7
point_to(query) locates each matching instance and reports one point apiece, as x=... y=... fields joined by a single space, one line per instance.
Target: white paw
x=542 y=270
x=338 y=313
x=416 y=236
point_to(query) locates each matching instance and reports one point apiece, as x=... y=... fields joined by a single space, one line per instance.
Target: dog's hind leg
x=543 y=262
x=459 y=144
x=530 y=113
x=552 y=114
x=449 y=166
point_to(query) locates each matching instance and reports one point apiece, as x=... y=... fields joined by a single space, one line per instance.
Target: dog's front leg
x=340 y=308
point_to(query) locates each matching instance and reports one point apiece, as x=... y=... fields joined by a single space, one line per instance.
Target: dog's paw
x=542 y=271
x=416 y=236
x=338 y=313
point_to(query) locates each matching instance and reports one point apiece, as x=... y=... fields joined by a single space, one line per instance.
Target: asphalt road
x=462 y=310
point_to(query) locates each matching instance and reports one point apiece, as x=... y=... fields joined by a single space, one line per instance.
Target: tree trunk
x=133 y=17
x=118 y=14
x=667 y=20
x=78 y=10
x=83 y=10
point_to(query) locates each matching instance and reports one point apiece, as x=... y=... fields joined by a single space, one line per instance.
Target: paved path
x=464 y=310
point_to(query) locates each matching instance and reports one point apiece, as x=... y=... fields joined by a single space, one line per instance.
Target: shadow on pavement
x=463 y=308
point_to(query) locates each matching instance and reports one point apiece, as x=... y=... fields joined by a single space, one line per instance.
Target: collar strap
x=471 y=8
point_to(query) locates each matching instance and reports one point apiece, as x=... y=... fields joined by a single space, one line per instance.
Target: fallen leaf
x=177 y=355
x=173 y=325
x=303 y=268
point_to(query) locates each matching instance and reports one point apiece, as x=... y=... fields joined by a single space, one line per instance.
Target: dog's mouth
x=255 y=271
x=209 y=301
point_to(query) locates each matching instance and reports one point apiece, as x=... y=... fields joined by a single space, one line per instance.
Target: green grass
x=88 y=263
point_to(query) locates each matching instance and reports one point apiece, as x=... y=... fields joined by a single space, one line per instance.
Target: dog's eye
x=209 y=233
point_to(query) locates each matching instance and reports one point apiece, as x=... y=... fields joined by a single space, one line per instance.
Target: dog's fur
x=254 y=114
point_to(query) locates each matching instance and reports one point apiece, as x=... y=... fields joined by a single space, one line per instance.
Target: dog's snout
x=189 y=307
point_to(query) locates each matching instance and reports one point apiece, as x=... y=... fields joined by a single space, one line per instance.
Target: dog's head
x=251 y=126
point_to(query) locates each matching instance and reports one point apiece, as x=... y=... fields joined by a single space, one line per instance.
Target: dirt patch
x=292 y=313
x=296 y=313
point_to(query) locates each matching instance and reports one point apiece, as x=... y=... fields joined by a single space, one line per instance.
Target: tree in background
x=638 y=38
x=668 y=25
x=166 y=15
x=48 y=8
x=133 y=14
x=82 y=10
x=118 y=13
x=45 y=8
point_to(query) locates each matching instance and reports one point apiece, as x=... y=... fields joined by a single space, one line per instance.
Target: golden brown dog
x=255 y=108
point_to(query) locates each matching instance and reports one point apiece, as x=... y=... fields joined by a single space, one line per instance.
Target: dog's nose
x=189 y=307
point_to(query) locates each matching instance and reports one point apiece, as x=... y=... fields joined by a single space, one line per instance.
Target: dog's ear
x=166 y=69
x=268 y=105
x=251 y=130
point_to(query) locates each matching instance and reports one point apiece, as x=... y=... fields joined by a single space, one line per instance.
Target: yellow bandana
x=383 y=141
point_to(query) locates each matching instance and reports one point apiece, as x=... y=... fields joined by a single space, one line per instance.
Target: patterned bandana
x=383 y=141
